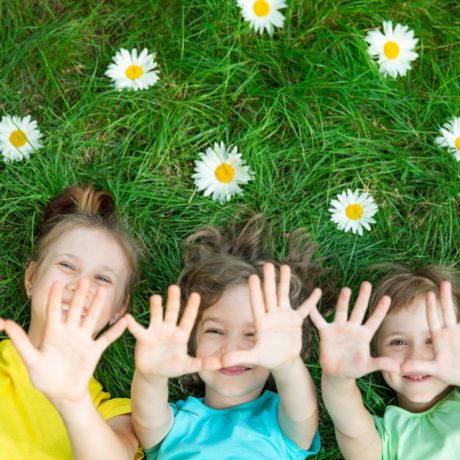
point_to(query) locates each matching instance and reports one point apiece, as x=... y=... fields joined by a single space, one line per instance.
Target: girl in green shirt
x=412 y=336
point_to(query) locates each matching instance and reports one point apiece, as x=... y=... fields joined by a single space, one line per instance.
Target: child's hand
x=445 y=336
x=345 y=344
x=278 y=327
x=65 y=361
x=161 y=350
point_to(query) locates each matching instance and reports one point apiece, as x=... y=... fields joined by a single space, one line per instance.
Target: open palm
x=345 y=343
x=445 y=337
x=161 y=349
x=63 y=364
x=278 y=327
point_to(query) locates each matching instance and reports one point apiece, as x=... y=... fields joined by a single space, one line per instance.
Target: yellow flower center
x=18 y=138
x=133 y=72
x=457 y=143
x=391 y=50
x=261 y=8
x=225 y=173
x=354 y=211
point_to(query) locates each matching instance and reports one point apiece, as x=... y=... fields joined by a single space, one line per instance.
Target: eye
x=249 y=334
x=104 y=279
x=429 y=342
x=67 y=265
x=213 y=331
x=398 y=342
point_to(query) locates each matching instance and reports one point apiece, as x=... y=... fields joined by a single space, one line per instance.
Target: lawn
x=307 y=108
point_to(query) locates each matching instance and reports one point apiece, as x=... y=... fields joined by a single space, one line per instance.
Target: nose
x=72 y=285
x=234 y=343
x=420 y=352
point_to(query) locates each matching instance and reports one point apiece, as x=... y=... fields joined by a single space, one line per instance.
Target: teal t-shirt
x=249 y=430
x=433 y=434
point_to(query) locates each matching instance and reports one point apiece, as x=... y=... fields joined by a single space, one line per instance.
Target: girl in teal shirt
x=240 y=340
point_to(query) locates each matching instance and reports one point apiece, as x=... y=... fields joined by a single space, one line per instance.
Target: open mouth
x=416 y=378
x=235 y=370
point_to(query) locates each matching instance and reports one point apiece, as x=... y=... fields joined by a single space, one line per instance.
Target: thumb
x=413 y=365
x=384 y=363
x=234 y=358
x=134 y=327
x=112 y=334
x=21 y=342
x=211 y=363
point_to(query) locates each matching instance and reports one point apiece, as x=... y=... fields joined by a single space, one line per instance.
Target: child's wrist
x=286 y=367
x=151 y=377
x=71 y=405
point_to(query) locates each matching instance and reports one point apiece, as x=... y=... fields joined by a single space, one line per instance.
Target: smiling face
x=405 y=335
x=79 y=253
x=227 y=326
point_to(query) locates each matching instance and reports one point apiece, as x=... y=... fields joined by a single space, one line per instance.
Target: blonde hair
x=216 y=259
x=81 y=206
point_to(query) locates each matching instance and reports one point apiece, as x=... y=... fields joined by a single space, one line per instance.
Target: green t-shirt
x=433 y=434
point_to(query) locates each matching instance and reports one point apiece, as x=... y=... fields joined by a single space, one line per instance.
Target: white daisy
x=220 y=172
x=19 y=137
x=263 y=14
x=131 y=71
x=450 y=137
x=353 y=211
x=394 y=48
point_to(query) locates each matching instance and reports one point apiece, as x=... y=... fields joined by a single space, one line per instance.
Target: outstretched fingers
x=256 y=297
x=91 y=315
x=359 y=310
x=317 y=319
x=112 y=334
x=308 y=305
x=414 y=365
x=134 y=327
x=234 y=358
x=447 y=304
x=341 y=310
x=173 y=305
x=284 y=286
x=77 y=303
x=432 y=313
x=378 y=315
x=156 y=310
x=54 y=304
x=269 y=287
x=384 y=363
x=190 y=313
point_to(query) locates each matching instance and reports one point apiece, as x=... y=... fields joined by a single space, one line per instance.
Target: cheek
x=205 y=346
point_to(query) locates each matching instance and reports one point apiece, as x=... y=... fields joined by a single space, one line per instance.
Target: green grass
x=307 y=108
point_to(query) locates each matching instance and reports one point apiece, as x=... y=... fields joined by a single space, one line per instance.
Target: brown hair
x=83 y=206
x=216 y=259
x=404 y=285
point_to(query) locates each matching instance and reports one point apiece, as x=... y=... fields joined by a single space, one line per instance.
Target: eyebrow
x=217 y=320
x=103 y=267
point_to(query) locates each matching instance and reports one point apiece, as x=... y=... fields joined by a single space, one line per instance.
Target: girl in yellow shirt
x=78 y=281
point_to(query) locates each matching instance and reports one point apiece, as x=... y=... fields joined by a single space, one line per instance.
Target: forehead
x=91 y=246
x=233 y=306
x=411 y=318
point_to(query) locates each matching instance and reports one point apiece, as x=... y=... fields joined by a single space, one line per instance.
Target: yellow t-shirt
x=30 y=426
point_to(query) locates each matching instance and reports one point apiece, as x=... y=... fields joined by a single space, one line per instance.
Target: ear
x=121 y=311
x=124 y=306
x=29 y=277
